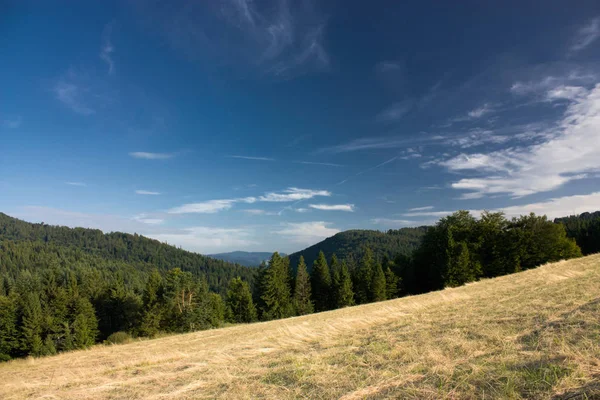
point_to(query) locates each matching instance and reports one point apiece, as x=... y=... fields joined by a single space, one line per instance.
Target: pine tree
x=85 y=325
x=344 y=294
x=240 y=307
x=321 y=283
x=276 y=293
x=378 y=284
x=302 y=292
x=334 y=270
x=391 y=284
x=151 y=314
x=459 y=270
x=8 y=328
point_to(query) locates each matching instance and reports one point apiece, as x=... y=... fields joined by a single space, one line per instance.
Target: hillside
x=137 y=251
x=246 y=258
x=532 y=334
x=349 y=244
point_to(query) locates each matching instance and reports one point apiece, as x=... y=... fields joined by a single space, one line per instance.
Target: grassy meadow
x=534 y=334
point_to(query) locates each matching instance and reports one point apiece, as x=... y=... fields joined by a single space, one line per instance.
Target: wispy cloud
x=12 y=123
x=107 y=48
x=253 y=158
x=421 y=208
x=319 y=163
x=209 y=240
x=151 y=156
x=568 y=152
x=400 y=223
x=586 y=35
x=394 y=112
x=282 y=38
x=214 y=206
x=333 y=207
x=372 y=143
x=80 y=184
x=367 y=170
x=145 y=219
x=293 y=194
x=147 y=192
x=70 y=91
x=480 y=111
x=307 y=233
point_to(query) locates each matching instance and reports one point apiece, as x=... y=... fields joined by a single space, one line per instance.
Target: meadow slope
x=534 y=334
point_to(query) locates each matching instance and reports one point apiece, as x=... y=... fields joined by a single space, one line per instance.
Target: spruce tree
x=276 y=293
x=364 y=277
x=240 y=307
x=321 y=283
x=31 y=325
x=302 y=292
x=391 y=283
x=344 y=294
x=378 y=284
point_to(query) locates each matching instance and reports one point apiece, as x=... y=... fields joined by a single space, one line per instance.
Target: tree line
x=55 y=297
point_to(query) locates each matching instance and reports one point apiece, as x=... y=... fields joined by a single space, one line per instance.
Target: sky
x=271 y=125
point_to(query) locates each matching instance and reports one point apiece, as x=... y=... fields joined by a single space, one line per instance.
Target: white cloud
x=307 y=233
x=254 y=158
x=12 y=123
x=427 y=214
x=394 y=222
x=333 y=207
x=150 y=156
x=206 y=207
x=293 y=194
x=388 y=66
x=563 y=92
x=75 y=184
x=394 y=112
x=147 y=192
x=587 y=35
x=479 y=112
x=318 y=163
x=371 y=143
x=302 y=210
x=208 y=240
x=144 y=218
x=107 y=49
x=477 y=137
x=214 y=206
x=254 y=211
x=71 y=92
x=553 y=208
x=421 y=208
x=569 y=153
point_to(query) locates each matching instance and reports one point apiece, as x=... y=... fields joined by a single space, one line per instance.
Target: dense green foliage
x=134 y=250
x=585 y=229
x=63 y=289
x=461 y=249
x=351 y=244
x=245 y=258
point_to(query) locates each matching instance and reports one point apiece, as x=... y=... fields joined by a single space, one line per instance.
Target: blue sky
x=270 y=125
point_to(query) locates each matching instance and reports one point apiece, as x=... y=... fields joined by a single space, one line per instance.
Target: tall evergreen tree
x=364 y=277
x=378 y=284
x=344 y=294
x=391 y=284
x=31 y=325
x=321 y=283
x=276 y=292
x=302 y=293
x=240 y=307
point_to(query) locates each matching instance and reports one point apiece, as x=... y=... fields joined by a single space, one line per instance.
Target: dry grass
x=534 y=334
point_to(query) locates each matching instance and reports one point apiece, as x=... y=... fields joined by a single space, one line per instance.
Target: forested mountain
x=134 y=250
x=351 y=244
x=246 y=258
x=585 y=229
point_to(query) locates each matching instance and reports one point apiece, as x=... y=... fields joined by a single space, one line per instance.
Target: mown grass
x=534 y=334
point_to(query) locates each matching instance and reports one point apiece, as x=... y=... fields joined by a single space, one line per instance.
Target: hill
x=585 y=229
x=350 y=244
x=133 y=250
x=246 y=258
x=532 y=334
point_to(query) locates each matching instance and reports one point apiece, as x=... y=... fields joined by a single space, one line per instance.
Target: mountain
x=135 y=251
x=350 y=244
x=246 y=258
x=530 y=335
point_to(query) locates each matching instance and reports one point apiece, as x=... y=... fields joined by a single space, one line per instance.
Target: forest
x=64 y=289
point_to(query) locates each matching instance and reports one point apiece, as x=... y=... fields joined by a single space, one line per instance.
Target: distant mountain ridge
x=245 y=258
x=350 y=244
